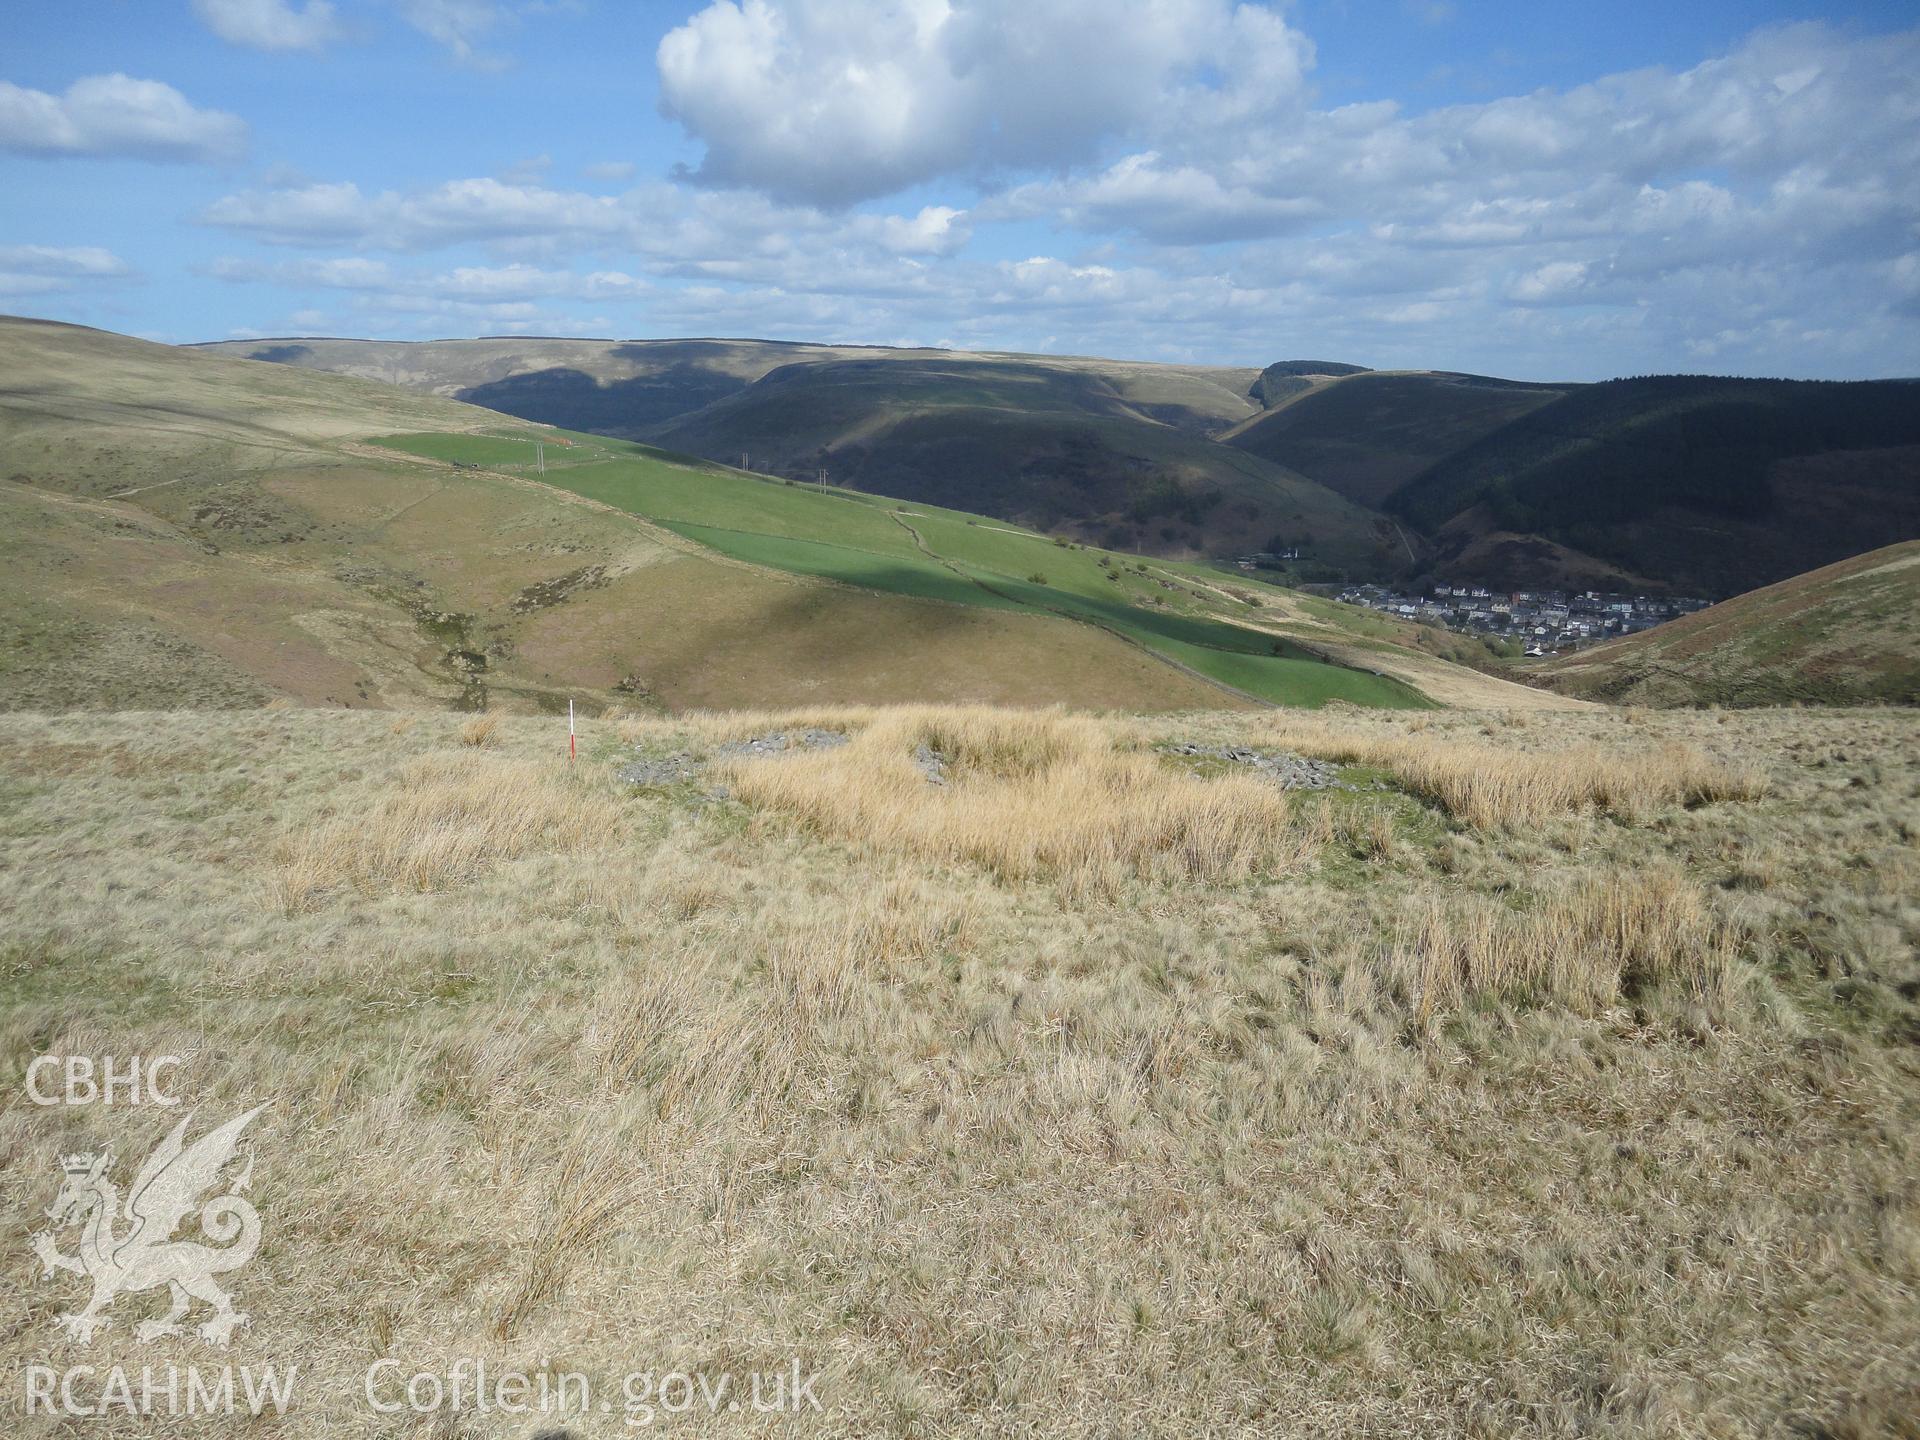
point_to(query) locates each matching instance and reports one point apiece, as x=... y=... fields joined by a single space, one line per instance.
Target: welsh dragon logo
x=147 y=1256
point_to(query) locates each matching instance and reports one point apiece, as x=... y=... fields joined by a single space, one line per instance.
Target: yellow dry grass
x=1592 y=1126
x=1588 y=944
x=444 y=818
x=1488 y=787
x=1025 y=794
x=584 y=1200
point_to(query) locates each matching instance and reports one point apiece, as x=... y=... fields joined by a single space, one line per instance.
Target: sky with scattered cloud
x=1505 y=188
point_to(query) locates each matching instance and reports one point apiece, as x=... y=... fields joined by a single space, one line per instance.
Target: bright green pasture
x=923 y=551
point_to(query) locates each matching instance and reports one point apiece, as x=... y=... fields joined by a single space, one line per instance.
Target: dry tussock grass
x=704 y=1051
x=445 y=818
x=1490 y=787
x=1586 y=945
x=585 y=1200
x=479 y=731
x=1026 y=795
x=820 y=961
x=678 y=1087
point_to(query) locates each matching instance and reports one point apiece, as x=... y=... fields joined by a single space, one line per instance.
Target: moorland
x=1042 y=987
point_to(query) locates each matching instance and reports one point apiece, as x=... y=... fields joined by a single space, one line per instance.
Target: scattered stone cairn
x=684 y=767
x=1290 y=772
x=777 y=742
x=673 y=769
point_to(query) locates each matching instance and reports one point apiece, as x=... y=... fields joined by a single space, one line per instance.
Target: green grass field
x=924 y=551
x=904 y=575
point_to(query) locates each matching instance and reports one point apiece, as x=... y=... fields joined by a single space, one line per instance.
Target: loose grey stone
x=931 y=763
x=684 y=767
x=1289 y=771
x=674 y=769
x=778 y=742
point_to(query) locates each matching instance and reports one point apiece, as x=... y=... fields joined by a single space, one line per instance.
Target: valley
x=1714 y=486
x=189 y=529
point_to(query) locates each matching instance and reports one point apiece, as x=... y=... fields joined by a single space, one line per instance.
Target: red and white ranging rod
x=570 y=742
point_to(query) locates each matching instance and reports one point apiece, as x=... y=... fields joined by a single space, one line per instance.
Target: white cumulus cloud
x=68 y=261
x=936 y=230
x=672 y=226
x=1559 y=280
x=484 y=284
x=834 y=101
x=1788 y=113
x=271 y=24
x=53 y=269
x=116 y=115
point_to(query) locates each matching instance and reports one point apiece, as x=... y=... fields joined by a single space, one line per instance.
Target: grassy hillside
x=1006 y=1069
x=1844 y=634
x=1055 y=450
x=1709 y=486
x=186 y=529
x=628 y=387
x=928 y=552
x=1368 y=434
x=183 y=529
x=1563 y=1083
x=1689 y=484
x=1286 y=378
x=1111 y=451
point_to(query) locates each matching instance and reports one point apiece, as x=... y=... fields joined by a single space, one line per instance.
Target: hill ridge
x=1846 y=633
x=1464 y=463
x=186 y=528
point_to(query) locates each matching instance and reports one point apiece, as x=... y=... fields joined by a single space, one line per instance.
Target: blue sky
x=1526 y=190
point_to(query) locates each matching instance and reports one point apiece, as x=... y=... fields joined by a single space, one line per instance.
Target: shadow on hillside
x=685 y=352
x=575 y=400
x=799 y=642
